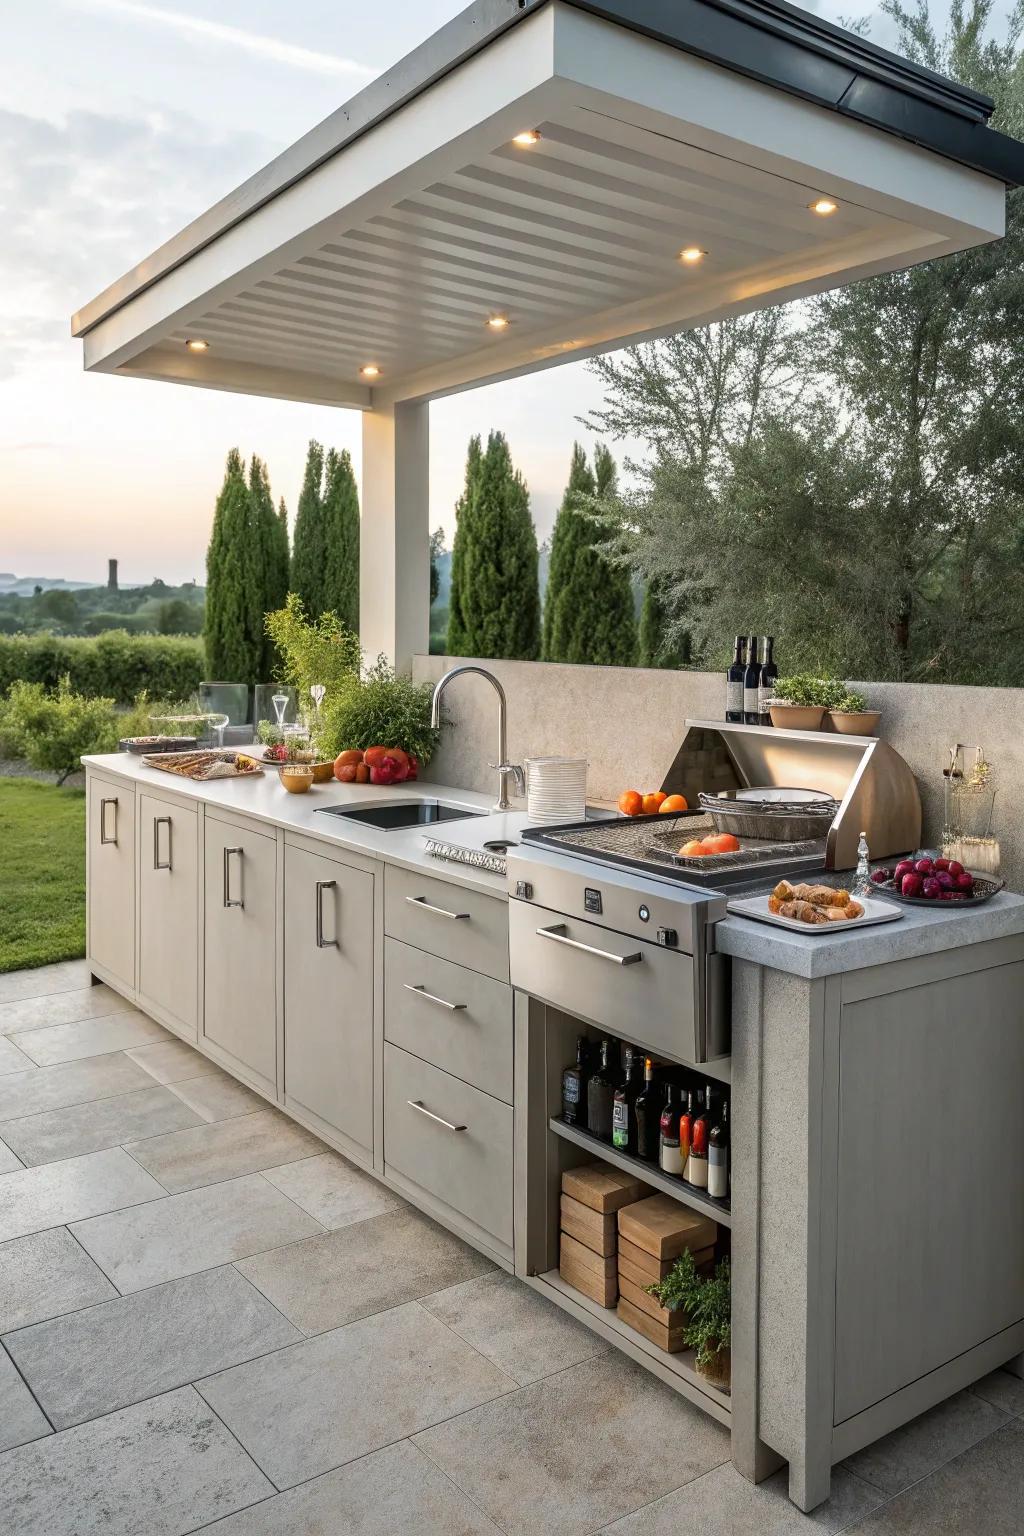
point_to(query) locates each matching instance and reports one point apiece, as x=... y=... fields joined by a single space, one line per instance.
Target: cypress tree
x=653 y=647
x=588 y=615
x=308 y=544
x=341 y=540
x=498 y=597
x=233 y=652
x=457 y=636
x=269 y=586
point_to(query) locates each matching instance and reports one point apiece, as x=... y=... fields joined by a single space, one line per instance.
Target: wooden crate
x=602 y=1288
x=602 y=1187
x=662 y=1228
x=589 y=1227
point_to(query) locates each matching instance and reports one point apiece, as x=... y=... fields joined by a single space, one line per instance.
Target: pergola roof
x=399 y=227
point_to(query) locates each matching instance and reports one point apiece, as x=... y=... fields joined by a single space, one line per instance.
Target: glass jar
x=969 y=803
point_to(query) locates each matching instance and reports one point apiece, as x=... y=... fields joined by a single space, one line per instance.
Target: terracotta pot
x=718 y=1370
x=848 y=723
x=797 y=717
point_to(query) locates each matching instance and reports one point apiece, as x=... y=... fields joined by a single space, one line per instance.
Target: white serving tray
x=875 y=911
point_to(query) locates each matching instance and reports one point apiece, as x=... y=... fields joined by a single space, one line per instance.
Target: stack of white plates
x=556 y=789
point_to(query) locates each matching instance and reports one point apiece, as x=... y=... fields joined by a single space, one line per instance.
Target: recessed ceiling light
x=498 y=322
x=823 y=205
x=194 y=344
x=370 y=371
x=527 y=139
x=692 y=254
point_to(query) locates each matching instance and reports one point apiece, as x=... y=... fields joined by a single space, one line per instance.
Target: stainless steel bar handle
x=103 y=821
x=425 y=906
x=421 y=1109
x=161 y=821
x=228 y=900
x=430 y=998
x=321 y=886
x=558 y=935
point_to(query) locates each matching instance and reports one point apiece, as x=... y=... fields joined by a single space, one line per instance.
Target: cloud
x=235 y=37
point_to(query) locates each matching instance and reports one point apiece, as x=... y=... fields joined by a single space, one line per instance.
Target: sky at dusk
x=120 y=121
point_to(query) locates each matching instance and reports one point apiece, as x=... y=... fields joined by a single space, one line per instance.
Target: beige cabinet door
x=239 y=964
x=328 y=993
x=169 y=912
x=110 y=838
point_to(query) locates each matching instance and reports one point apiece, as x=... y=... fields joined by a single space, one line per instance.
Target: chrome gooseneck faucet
x=506 y=770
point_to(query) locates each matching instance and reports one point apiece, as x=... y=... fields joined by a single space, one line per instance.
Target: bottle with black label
x=601 y=1095
x=734 y=682
x=574 y=1085
x=668 y=1152
x=698 y=1175
x=648 y=1116
x=769 y=677
x=751 y=685
x=624 y=1104
x=718 y=1154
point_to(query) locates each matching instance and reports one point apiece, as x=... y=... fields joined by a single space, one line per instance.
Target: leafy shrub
x=54 y=730
x=313 y=650
x=384 y=709
x=810 y=692
x=851 y=704
x=114 y=665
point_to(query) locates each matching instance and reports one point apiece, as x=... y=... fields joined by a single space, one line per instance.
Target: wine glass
x=218 y=720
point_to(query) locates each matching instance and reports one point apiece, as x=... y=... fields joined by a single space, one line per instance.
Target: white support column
x=394 y=546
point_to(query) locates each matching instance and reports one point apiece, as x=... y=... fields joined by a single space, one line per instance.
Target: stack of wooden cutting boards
x=652 y=1233
x=591 y=1197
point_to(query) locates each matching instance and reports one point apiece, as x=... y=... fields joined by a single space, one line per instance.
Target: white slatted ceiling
x=593 y=216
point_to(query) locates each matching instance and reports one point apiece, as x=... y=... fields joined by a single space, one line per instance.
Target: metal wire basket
x=783 y=815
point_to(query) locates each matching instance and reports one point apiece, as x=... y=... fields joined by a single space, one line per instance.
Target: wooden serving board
x=589 y=1227
x=671 y=1341
x=637 y=1296
x=602 y=1187
x=663 y=1228
x=604 y=1268
x=642 y=1269
x=603 y=1289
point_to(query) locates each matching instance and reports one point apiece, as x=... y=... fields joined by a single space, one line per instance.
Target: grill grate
x=645 y=842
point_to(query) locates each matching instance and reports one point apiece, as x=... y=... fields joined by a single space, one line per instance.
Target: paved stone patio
x=211 y=1322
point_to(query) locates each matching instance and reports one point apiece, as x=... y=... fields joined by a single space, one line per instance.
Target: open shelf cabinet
x=718 y=1210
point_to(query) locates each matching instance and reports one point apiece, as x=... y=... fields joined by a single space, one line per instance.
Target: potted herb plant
x=851 y=716
x=800 y=701
x=707 y=1303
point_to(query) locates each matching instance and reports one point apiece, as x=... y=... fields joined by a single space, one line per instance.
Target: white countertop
x=264 y=798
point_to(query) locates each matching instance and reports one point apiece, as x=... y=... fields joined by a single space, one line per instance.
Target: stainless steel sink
x=412 y=813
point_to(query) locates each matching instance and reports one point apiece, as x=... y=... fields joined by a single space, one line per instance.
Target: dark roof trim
x=767 y=40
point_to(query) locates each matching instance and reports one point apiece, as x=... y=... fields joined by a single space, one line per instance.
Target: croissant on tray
x=815 y=904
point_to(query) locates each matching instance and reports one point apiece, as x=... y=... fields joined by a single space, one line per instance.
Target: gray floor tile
x=211 y=1153
x=183 y=1234
x=78 y=1187
x=394 y=1490
x=927 y=1442
x=160 y=1468
x=389 y=1376
x=981 y=1493
x=333 y=1190
x=45 y=1275
x=138 y=1346
x=722 y=1503
x=1002 y=1389
x=60 y=1008
x=77 y=1082
x=216 y=1096
x=11 y=1059
x=361 y=1269
x=88 y=1037
x=21 y=1418
x=526 y=1335
x=90 y=1127
x=9 y=1162
x=576 y=1451
x=169 y=1061
x=65 y=976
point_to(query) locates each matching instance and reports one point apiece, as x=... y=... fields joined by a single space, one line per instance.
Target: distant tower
x=112 y=575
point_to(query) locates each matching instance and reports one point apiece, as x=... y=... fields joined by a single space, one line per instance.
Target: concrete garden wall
x=628 y=723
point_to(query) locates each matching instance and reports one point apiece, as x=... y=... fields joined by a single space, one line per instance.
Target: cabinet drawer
x=452 y=921
x=452 y=1017
x=466 y=1163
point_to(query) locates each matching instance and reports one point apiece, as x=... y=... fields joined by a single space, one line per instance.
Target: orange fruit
x=653 y=803
x=674 y=804
x=693 y=850
x=631 y=802
x=722 y=842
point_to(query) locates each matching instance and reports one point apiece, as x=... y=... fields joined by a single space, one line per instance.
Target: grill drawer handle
x=422 y=1110
x=430 y=998
x=425 y=906
x=558 y=935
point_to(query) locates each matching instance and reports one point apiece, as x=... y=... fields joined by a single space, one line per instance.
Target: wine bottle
x=685 y=1135
x=699 y=1146
x=734 y=682
x=751 y=684
x=648 y=1116
x=574 y=1085
x=718 y=1154
x=669 y=1141
x=624 y=1104
x=769 y=677
x=600 y=1096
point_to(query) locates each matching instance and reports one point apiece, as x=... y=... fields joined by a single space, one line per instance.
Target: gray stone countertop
x=920 y=931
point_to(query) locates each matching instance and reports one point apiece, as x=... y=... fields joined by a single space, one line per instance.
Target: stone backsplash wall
x=628 y=723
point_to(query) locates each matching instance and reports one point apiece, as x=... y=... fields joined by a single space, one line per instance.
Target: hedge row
x=113 y=665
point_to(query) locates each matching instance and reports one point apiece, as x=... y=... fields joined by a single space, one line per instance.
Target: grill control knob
x=669 y=937
x=524 y=890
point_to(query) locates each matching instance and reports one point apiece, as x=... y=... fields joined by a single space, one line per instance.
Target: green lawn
x=42 y=873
